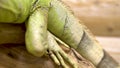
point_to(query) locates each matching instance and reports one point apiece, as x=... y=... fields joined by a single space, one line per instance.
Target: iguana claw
x=57 y=54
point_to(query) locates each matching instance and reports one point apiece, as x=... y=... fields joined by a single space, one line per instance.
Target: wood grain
x=111 y=45
x=102 y=17
x=16 y=56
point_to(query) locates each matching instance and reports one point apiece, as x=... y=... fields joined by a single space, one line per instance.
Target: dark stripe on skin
x=81 y=39
x=34 y=3
x=107 y=62
x=33 y=7
x=20 y=14
x=18 y=17
x=66 y=21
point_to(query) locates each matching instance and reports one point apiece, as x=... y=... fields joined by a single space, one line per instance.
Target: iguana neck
x=40 y=4
x=45 y=3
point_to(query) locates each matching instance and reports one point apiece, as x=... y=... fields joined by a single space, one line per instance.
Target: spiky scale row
x=70 y=30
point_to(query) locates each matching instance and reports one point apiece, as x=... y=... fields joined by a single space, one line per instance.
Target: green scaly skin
x=35 y=14
x=36 y=32
x=12 y=11
x=63 y=24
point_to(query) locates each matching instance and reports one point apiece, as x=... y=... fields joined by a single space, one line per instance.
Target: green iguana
x=40 y=15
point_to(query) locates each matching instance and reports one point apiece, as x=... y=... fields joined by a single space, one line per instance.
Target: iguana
x=40 y=14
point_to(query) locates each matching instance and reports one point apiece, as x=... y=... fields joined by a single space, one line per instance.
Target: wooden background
x=111 y=45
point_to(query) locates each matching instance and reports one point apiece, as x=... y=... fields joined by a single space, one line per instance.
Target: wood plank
x=111 y=45
x=102 y=17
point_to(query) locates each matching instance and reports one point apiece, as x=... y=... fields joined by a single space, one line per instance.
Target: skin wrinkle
x=19 y=15
x=9 y=11
x=65 y=27
x=35 y=3
x=101 y=59
x=81 y=39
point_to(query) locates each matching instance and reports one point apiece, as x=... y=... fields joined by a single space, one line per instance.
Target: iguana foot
x=58 y=55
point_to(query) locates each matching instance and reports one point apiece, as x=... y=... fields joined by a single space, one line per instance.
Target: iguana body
x=61 y=23
x=64 y=25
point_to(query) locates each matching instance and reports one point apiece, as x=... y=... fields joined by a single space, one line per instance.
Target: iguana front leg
x=36 y=32
x=58 y=55
x=38 y=41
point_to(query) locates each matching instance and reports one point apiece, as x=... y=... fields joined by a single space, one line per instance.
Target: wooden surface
x=16 y=56
x=111 y=45
x=102 y=17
